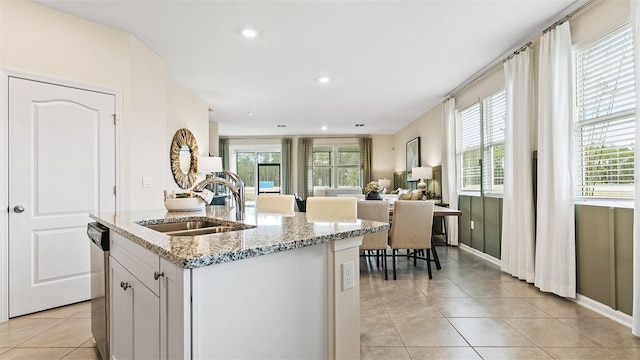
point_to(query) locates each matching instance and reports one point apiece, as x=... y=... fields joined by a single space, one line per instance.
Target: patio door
x=268 y=178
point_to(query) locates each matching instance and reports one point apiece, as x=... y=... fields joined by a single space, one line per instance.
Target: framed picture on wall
x=413 y=156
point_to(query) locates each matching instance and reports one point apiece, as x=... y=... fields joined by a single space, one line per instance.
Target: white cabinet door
x=146 y=323
x=175 y=312
x=121 y=312
x=135 y=317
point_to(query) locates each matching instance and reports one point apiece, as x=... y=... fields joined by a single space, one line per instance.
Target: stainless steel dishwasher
x=99 y=237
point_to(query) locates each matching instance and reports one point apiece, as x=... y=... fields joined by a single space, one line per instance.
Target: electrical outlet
x=472 y=225
x=348 y=275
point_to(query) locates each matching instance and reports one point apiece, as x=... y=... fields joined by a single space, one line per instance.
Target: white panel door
x=61 y=167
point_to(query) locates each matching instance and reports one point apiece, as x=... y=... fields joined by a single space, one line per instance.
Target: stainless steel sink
x=194 y=227
x=182 y=225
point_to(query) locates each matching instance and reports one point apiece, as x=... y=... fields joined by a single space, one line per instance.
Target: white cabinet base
x=286 y=305
x=282 y=305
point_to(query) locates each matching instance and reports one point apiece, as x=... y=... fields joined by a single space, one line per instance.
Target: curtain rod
x=517 y=52
x=493 y=66
x=568 y=17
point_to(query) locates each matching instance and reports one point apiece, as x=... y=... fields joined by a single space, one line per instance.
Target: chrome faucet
x=236 y=186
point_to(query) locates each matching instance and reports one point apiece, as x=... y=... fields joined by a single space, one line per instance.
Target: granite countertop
x=272 y=233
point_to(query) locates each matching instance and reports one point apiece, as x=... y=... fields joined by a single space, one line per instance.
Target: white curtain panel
x=555 y=267
x=635 y=328
x=449 y=186
x=518 y=235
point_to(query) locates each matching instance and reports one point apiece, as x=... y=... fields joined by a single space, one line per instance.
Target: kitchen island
x=273 y=289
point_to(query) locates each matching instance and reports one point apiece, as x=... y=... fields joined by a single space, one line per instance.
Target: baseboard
x=582 y=300
x=480 y=254
x=604 y=310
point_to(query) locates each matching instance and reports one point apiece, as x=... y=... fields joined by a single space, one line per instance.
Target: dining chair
x=378 y=242
x=276 y=204
x=411 y=230
x=332 y=209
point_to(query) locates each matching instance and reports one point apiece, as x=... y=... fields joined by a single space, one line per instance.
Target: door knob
x=18 y=208
x=124 y=285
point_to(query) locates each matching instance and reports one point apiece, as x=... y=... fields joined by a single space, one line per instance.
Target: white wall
x=383 y=160
x=214 y=139
x=598 y=19
x=185 y=110
x=429 y=128
x=43 y=41
x=145 y=129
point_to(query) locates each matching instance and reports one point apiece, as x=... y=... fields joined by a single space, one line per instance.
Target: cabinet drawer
x=141 y=262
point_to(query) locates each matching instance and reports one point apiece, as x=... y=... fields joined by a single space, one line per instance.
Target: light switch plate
x=146 y=181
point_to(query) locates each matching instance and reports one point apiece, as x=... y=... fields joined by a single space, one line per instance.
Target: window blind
x=604 y=129
x=468 y=148
x=494 y=108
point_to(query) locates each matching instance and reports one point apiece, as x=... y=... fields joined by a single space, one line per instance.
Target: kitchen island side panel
x=272 y=306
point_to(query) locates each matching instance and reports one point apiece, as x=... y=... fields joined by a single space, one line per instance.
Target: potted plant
x=372 y=191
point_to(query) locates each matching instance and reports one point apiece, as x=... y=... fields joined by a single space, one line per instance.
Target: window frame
x=482 y=145
x=335 y=166
x=587 y=123
x=495 y=102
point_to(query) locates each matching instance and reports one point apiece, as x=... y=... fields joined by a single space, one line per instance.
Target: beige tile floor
x=62 y=333
x=471 y=310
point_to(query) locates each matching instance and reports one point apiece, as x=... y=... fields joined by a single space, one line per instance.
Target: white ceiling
x=390 y=61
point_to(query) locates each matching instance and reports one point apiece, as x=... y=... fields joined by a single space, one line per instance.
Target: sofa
x=329 y=192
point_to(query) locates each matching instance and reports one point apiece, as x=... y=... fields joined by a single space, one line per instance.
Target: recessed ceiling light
x=324 y=128
x=324 y=79
x=249 y=113
x=249 y=33
x=281 y=126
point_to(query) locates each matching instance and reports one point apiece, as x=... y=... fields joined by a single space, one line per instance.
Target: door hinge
x=114 y=191
x=115 y=119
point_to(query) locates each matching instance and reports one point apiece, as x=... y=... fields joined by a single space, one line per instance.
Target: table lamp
x=422 y=173
x=210 y=165
x=385 y=183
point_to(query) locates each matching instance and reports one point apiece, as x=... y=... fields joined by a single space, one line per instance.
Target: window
x=322 y=166
x=481 y=127
x=336 y=165
x=494 y=123
x=604 y=129
x=468 y=148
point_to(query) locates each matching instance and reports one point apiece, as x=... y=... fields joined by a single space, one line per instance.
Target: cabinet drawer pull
x=157 y=275
x=124 y=285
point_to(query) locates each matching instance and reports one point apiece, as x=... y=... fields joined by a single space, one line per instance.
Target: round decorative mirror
x=184 y=158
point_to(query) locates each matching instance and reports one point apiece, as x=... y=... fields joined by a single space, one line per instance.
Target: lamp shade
x=385 y=183
x=209 y=164
x=423 y=172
